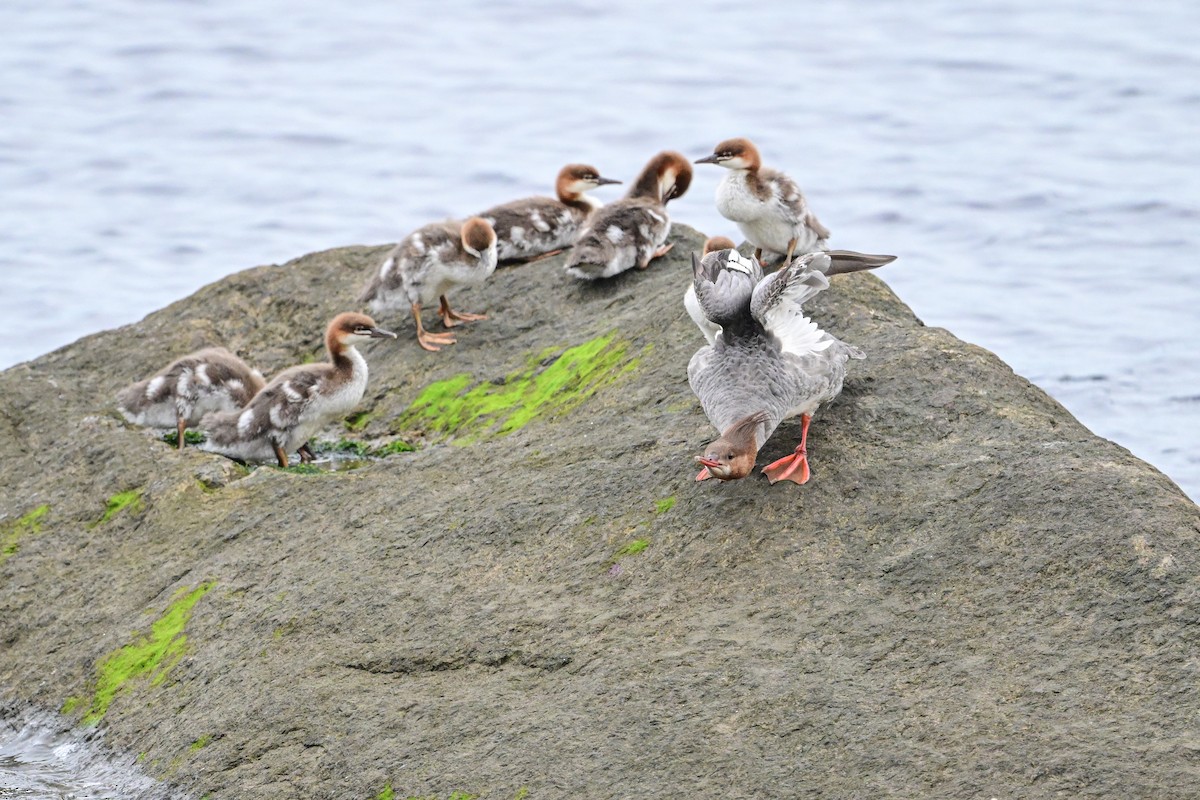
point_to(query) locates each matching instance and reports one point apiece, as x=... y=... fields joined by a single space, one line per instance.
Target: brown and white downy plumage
x=768 y=362
x=539 y=226
x=767 y=205
x=178 y=395
x=299 y=401
x=631 y=231
x=429 y=263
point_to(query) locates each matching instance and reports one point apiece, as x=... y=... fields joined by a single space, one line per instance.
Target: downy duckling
x=178 y=395
x=536 y=227
x=767 y=205
x=630 y=232
x=299 y=401
x=428 y=263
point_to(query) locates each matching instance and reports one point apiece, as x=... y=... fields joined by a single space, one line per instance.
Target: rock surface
x=973 y=597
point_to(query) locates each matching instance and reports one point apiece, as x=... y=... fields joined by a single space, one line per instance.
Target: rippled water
x=41 y=759
x=1034 y=165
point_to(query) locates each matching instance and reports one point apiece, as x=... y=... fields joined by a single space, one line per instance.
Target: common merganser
x=536 y=227
x=178 y=395
x=840 y=262
x=428 y=263
x=630 y=232
x=767 y=205
x=299 y=401
x=710 y=330
x=768 y=363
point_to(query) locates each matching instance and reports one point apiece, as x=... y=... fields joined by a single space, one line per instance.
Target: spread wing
x=778 y=300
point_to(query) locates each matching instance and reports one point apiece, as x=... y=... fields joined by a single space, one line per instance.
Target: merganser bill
x=181 y=393
x=767 y=205
x=541 y=226
x=299 y=401
x=769 y=361
x=631 y=232
x=426 y=265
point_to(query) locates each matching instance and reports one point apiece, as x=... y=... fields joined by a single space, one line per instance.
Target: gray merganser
x=767 y=205
x=630 y=232
x=840 y=262
x=536 y=227
x=427 y=264
x=710 y=330
x=212 y=379
x=299 y=401
x=769 y=361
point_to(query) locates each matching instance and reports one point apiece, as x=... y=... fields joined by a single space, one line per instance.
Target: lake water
x=1035 y=166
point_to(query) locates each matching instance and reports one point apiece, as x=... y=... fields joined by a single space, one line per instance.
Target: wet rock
x=973 y=597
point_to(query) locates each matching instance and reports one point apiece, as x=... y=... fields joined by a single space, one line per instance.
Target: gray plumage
x=768 y=357
x=533 y=226
x=618 y=237
x=427 y=264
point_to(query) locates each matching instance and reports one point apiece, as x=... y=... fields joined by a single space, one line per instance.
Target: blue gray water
x=1034 y=165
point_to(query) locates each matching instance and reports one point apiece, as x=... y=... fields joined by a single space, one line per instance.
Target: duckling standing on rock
x=769 y=362
x=299 y=401
x=536 y=227
x=427 y=264
x=631 y=231
x=178 y=395
x=768 y=206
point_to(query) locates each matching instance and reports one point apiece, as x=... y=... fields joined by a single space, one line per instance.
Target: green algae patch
x=200 y=743
x=120 y=501
x=549 y=384
x=392 y=448
x=152 y=655
x=386 y=793
x=634 y=547
x=189 y=437
x=11 y=533
x=664 y=505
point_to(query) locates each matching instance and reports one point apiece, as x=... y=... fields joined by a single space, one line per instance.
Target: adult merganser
x=710 y=330
x=767 y=205
x=768 y=363
x=299 y=401
x=631 y=231
x=427 y=264
x=840 y=262
x=542 y=226
x=178 y=395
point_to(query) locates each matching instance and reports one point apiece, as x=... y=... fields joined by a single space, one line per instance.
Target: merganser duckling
x=630 y=232
x=427 y=264
x=299 y=401
x=710 y=330
x=767 y=205
x=536 y=227
x=768 y=363
x=178 y=395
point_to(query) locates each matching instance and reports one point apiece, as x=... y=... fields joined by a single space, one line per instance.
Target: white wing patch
x=154 y=385
x=798 y=334
x=615 y=234
x=202 y=374
x=516 y=233
x=738 y=263
x=244 y=420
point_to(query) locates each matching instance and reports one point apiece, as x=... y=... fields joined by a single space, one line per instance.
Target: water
x=41 y=759
x=1034 y=165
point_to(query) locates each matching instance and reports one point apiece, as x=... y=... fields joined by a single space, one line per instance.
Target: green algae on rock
x=119 y=502
x=11 y=533
x=152 y=655
x=549 y=384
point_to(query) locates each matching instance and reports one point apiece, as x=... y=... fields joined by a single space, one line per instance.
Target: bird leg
x=659 y=253
x=306 y=454
x=180 y=427
x=791 y=249
x=792 y=467
x=280 y=456
x=758 y=254
x=427 y=340
x=451 y=318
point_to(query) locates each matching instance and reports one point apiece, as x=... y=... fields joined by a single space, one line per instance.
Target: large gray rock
x=973 y=597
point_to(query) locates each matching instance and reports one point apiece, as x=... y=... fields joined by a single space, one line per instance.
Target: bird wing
x=281 y=405
x=791 y=203
x=723 y=282
x=778 y=299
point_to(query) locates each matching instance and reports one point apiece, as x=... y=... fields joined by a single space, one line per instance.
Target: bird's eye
x=730 y=456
